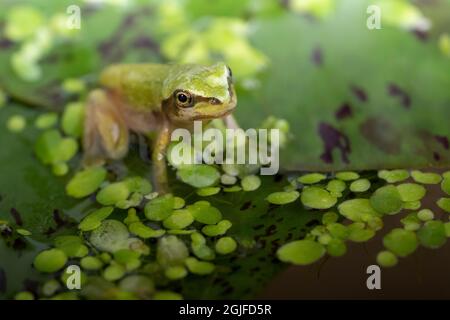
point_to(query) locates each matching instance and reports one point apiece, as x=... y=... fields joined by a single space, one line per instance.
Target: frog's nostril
x=214 y=101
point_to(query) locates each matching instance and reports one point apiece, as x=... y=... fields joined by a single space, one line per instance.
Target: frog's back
x=140 y=84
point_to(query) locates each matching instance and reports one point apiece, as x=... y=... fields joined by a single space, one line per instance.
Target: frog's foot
x=230 y=122
x=105 y=131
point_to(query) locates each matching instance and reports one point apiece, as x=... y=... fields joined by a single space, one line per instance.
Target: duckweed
x=198 y=175
x=203 y=212
x=338 y=230
x=324 y=239
x=301 y=252
x=386 y=200
x=145 y=232
x=141 y=285
x=94 y=219
x=432 y=234
x=113 y=193
x=412 y=205
x=411 y=191
x=283 y=197
x=444 y=204
x=16 y=123
x=171 y=251
x=131 y=216
x=114 y=272
x=117 y=193
x=52 y=148
x=160 y=208
x=179 y=219
x=225 y=245
x=202 y=251
x=50 y=287
x=72 y=246
x=73 y=119
x=72 y=85
x=139 y=185
x=175 y=272
x=218 y=229
x=199 y=267
x=105 y=257
x=181 y=232
x=23 y=232
x=208 y=191
x=46 y=120
x=358 y=234
x=336 y=186
x=360 y=185
x=311 y=178
x=425 y=215
x=230 y=169
x=393 y=176
x=60 y=169
x=411 y=222
x=91 y=263
x=232 y=189
x=445 y=185
x=401 y=242
x=426 y=177
x=317 y=198
x=86 y=182
x=347 y=175
x=199 y=247
x=167 y=295
x=375 y=223
x=330 y=217
x=447 y=229
x=227 y=179
x=386 y=259
x=336 y=247
x=178 y=203
x=50 y=260
x=110 y=236
x=251 y=183
x=356 y=209
x=24 y=295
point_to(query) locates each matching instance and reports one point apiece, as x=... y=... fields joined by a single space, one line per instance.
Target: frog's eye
x=183 y=98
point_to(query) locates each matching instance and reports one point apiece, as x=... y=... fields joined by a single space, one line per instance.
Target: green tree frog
x=153 y=98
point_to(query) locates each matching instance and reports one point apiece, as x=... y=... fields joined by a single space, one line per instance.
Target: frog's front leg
x=105 y=131
x=230 y=122
x=159 y=157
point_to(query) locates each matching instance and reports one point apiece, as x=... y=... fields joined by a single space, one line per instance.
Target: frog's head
x=194 y=92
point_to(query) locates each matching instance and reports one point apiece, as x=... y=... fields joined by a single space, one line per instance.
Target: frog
x=153 y=100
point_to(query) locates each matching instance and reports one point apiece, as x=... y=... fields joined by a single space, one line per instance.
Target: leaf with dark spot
x=344 y=111
x=383 y=134
x=333 y=139
x=396 y=91
x=317 y=57
x=359 y=93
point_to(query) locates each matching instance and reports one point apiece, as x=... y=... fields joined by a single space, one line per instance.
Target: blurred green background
x=355 y=98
